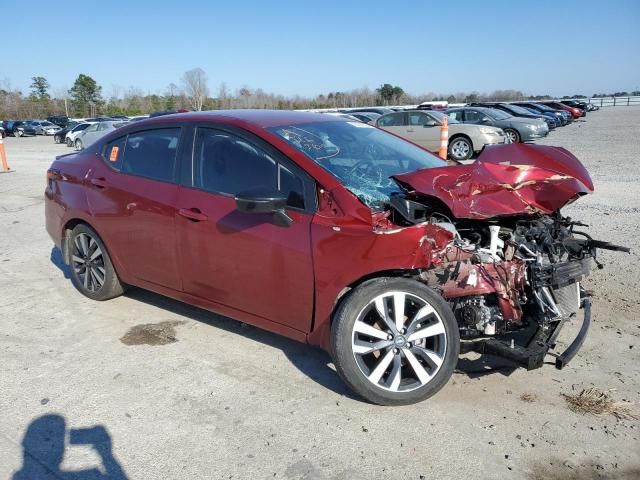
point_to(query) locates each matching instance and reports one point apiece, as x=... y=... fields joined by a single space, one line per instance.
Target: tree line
x=86 y=98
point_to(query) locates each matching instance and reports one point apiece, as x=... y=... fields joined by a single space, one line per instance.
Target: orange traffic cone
x=3 y=158
x=444 y=138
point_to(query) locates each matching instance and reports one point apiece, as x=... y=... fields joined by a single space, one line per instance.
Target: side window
x=418 y=119
x=473 y=116
x=102 y=126
x=391 y=120
x=291 y=184
x=455 y=115
x=92 y=128
x=114 y=151
x=152 y=153
x=226 y=163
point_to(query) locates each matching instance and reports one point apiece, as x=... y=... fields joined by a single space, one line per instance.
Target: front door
x=423 y=130
x=243 y=260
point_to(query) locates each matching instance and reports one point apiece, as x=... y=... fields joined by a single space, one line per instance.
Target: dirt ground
x=177 y=392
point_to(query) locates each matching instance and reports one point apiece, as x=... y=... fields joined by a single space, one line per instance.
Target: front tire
x=69 y=142
x=394 y=341
x=460 y=148
x=512 y=135
x=92 y=272
x=18 y=133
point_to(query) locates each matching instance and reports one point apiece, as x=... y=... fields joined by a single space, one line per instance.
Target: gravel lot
x=202 y=396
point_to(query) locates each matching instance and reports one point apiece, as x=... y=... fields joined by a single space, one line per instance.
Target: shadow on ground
x=56 y=259
x=43 y=448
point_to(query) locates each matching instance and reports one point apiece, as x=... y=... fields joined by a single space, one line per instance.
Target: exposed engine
x=502 y=275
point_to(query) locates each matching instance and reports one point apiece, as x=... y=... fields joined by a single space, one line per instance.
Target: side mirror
x=265 y=202
x=485 y=120
x=430 y=123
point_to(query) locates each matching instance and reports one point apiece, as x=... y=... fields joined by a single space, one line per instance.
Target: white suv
x=70 y=137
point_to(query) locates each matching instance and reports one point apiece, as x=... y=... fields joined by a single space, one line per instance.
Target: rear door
x=242 y=260
x=132 y=194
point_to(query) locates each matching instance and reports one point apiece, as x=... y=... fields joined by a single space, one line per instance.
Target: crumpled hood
x=505 y=180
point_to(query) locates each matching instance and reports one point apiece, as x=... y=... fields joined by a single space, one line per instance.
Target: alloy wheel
x=460 y=149
x=511 y=136
x=399 y=341
x=87 y=261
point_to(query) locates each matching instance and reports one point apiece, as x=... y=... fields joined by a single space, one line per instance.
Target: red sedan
x=575 y=112
x=335 y=233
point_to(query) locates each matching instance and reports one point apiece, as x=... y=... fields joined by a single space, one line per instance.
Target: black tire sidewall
x=112 y=286
x=341 y=336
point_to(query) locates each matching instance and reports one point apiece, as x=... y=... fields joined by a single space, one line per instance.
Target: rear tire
x=17 y=133
x=512 y=135
x=92 y=272
x=69 y=142
x=79 y=145
x=460 y=148
x=402 y=358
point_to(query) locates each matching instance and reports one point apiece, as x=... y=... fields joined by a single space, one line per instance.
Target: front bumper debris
x=531 y=353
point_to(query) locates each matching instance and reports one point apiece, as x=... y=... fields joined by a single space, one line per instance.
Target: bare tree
x=195 y=85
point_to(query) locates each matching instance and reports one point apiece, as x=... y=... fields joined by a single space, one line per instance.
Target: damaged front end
x=513 y=267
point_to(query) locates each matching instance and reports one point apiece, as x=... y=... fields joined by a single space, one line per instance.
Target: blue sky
x=310 y=47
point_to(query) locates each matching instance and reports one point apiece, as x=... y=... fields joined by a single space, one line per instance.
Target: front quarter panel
x=346 y=250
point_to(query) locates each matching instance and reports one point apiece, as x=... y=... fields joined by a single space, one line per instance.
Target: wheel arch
x=66 y=236
x=344 y=293
x=320 y=334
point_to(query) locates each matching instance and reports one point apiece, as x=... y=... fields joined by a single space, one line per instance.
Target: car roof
x=257 y=118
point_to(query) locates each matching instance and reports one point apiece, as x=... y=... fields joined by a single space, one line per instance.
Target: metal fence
x=612 y=101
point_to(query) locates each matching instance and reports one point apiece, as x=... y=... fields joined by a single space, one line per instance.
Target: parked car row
x=20 y=128
x=472 y=126
x=82 y=134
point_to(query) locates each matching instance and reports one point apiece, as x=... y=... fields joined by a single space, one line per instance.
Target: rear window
x=114 y=151
x=150 y=154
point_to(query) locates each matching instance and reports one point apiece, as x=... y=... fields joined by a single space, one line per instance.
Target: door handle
x=100 y=182
x=193 y=214
x=410 y=130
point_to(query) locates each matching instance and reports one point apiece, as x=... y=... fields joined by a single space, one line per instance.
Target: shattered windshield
x=362 y=157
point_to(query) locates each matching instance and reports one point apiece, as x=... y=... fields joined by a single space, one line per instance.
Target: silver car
x=94 y=132
x=45 y=127
x=423 y=127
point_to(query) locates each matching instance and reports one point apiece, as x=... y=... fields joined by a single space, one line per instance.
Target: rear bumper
x=53 y=213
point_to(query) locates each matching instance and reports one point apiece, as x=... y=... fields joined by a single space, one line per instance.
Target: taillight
x=53 y=174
